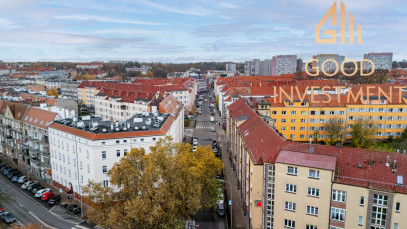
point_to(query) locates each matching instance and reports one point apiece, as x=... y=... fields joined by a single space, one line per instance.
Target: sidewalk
x=240 y=221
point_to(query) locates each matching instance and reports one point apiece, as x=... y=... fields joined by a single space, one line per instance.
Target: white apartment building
x=329 y=66
x=284 y=64
x=231 y=67
x=380 y=60
x=83 y=149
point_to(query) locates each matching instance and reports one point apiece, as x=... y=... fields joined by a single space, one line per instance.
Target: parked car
x=8 y=218
x=54 y=200
x=46 y=196
x=26 y=184
x=40 y=192
x=15 y=178
x=36 y=188
x=74 y=209
x=14 y=173
x=22 y=179
x=32 y=185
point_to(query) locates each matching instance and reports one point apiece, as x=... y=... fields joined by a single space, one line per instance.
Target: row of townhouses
x=286 y=184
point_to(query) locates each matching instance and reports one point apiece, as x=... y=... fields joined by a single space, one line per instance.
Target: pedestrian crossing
x=203 y=127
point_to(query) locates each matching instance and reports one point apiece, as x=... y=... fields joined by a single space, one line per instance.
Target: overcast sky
x=190 y=30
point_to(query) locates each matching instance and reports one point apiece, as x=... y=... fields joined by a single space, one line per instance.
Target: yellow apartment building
x=286 y=184
x=303 y=121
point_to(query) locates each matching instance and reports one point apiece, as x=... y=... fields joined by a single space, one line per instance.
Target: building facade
x=83 y=149
x=284 y=64
x=288 y=184
x=231 y=67
x=330 y=66
x=381 y=61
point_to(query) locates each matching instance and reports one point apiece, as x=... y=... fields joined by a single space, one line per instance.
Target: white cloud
x=106 y=19
x=195 y=11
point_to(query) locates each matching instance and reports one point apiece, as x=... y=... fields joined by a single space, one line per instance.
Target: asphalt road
x=207 y=219
x=28 y=210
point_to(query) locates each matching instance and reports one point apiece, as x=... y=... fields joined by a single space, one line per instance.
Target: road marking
x=79 y=226
x=19 y=223
x=39 y=220
x=21 y=205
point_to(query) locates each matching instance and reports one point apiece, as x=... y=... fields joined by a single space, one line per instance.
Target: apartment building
x=83 y=149
x=12 y=135
x=69 y=90
x=87 y=91
x=231 y=67
x=36 y=156
x=284 y=64
x=380 y=60
x=258 y=67
x=287 y=184
x=304 y=120
x=330 y=66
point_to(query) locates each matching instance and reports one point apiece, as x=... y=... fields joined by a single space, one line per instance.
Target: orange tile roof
x=40 y=118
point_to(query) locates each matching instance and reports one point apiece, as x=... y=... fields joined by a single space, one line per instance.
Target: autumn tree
x=362 y=134
x=334 y=132
x=149 y=74
x=161 y=189
x=52 y=92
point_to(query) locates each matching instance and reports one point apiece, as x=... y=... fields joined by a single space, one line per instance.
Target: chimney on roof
x=311 y=149
x=388 y=161
x=393 y=168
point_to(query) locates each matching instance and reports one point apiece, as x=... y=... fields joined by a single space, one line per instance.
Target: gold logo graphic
x=332 y=40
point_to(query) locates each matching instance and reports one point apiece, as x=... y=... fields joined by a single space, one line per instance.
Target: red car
x=46 y=196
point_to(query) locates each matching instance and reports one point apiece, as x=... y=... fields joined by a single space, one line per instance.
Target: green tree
x=161 y=189
x=334 y=131
x=404 y=135
x=362 y=134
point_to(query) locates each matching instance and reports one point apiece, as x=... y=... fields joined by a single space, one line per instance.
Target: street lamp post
x=231 y=201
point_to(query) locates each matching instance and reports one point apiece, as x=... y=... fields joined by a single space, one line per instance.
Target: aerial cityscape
x=203 y=114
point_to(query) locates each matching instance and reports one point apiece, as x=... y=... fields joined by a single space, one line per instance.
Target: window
x=338 y=196
x=312 y=120
x=332 y=112
x=274 y=112
x=322 y=112
x=362 y=201
x=291 y=188
x=292 y=136
x=290 y=206
x=293 y=128
x=293 y=112
x=103 y=143
x=312 y=113
x=289 y=223
x=124 y=141
x=379 y=215
x=87 y=153
x=303 y=112
x=283 y=112
x=104 y=169
x=105 y=183
x=118 y=142
x=337 y=214
x=380 y=199
x=302 y=136
x=396 y=226
x=360 y=221
x=314 y=192
x=103 y=155
x=290 y=104
x=118 y=153
x=125 y=152
x=311 y=227
x=291 y=170
x=313 y=173
x=312 y=210
x=283 y=121
x=302 y=120
x=350 y=117
x=398 y=207
x=303 y=104
x=302 y=128
x=283 y=128
x=88 y=169
x=352 y=110
x=293 y=120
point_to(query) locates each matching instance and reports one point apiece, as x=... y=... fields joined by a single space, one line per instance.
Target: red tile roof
x=307 y=160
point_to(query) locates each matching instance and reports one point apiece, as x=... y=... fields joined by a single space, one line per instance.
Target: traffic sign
x=230 y=202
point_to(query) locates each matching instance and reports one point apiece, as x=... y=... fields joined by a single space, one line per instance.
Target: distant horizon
x=190 y=31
